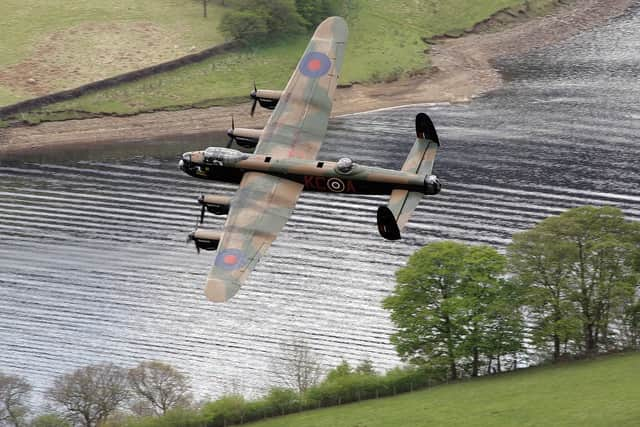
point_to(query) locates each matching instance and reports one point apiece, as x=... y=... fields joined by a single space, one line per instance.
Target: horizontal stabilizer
x=387 y=225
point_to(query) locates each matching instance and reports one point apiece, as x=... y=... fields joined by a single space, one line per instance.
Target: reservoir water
x=94 y=265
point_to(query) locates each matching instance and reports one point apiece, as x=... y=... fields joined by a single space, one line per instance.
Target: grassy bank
x=385 y=43
x=603 y=392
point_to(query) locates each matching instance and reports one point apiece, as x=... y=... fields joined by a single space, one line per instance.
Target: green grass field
x=603 y=392
x=65 y=43
x=385 y=41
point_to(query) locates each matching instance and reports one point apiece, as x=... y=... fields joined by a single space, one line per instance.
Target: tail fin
x=420 y=161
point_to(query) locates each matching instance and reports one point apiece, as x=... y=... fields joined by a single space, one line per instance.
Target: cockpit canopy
x=223 y=156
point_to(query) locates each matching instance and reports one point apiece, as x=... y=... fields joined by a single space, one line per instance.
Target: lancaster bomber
x=284 y=164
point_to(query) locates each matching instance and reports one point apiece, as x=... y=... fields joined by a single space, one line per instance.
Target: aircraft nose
x=184 y=161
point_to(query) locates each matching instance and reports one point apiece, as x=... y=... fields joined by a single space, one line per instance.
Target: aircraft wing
x=299 y=122
x=261 y=207
x=263 y=203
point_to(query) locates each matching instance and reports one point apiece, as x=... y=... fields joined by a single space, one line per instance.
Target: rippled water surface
x=94 y=266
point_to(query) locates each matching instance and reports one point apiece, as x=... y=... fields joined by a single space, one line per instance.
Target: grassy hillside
x=604 y=392
x=65 y=43
x=385 y=41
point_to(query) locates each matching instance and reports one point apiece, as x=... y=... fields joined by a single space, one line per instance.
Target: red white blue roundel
x=230 y=259
x=336 y=185
x=315 y=64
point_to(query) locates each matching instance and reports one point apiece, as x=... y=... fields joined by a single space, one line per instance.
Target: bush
x=251 y=20
x=315 y=11
x=179 y=417
x=227 y=410
x=282 y=400
x=50 y=420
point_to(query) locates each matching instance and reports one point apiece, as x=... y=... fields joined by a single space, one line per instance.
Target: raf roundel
x=315 y=64
x=230 y=259
x=336 y=185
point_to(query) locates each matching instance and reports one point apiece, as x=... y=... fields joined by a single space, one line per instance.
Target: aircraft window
x=267 y=159
x=320 y=164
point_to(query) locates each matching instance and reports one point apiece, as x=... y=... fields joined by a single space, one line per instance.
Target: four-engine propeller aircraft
x=284 y=164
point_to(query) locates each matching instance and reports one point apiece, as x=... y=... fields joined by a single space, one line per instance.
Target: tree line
x=253 y=20
x=89 y=395
x=570 y=285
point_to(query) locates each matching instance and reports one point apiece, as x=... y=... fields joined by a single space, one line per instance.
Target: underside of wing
x=299 y=122
x=261 y=207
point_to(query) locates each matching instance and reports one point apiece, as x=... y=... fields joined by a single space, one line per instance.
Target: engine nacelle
x=217 y=205
x=247 y=138
x=266 y=98
x=432 y=185
x=207 y=240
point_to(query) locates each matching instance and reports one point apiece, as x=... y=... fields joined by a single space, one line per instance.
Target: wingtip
x=336 y=25
x=220 y=290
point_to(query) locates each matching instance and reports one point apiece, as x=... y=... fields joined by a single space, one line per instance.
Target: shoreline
x=462 y=68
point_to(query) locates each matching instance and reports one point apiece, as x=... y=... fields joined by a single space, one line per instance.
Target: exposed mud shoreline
x=462 y=68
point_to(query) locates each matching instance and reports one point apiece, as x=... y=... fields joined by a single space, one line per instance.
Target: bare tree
x=299 y=368
x=14 y=392
x=90 y=394
x=161 y=387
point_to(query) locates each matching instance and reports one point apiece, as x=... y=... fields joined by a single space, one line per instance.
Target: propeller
x=254 y=96
x=190 y=238
x=201 y=201
x=230 y=132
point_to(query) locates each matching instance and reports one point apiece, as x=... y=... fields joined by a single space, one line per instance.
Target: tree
x=244 y=25
x=14 y=393
x=299 y=367
x=504 y=327
x=579 y=268
x=365 y=368
x=160 y=386
x=340 y=371
x=315 y=11
x=631 y=324
x=442 y=305
x=251 y=20
x=90 y=394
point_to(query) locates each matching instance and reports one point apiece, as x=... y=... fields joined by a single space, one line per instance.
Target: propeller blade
x=191 y=235
x=230 y=132
x=254 y=96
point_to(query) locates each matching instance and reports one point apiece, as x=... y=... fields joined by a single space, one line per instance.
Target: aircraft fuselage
x=315 y=175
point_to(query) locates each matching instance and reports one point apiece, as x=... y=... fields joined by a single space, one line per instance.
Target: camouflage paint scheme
x=283 y=164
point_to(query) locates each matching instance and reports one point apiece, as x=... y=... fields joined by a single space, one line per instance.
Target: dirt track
x=462 y=69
